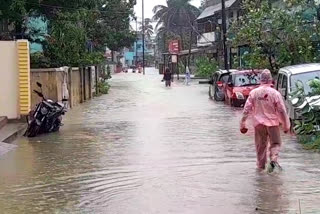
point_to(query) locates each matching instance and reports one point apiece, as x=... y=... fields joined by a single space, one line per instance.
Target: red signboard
x=174 y=47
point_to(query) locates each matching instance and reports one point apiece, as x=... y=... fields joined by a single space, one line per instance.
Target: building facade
x=134 y=54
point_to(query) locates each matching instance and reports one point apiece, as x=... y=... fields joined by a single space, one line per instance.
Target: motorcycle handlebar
x=38 y=93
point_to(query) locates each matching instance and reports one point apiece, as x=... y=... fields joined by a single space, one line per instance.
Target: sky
x=149 y=5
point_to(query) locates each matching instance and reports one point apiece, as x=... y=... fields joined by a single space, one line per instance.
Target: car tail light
x=219 y=84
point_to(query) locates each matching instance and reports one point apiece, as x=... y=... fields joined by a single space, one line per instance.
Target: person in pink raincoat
x=268 y=111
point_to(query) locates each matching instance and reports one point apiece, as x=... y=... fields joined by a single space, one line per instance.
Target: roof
x=303 y=68
x=186 y=52
x=210 y=11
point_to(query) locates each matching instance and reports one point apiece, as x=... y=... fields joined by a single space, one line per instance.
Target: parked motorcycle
x=46 y=117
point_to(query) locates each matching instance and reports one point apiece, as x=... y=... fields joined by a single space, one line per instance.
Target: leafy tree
x=205 y=67
x=176 y=18
x=148 y=29
x=277 y=36
x=76 y=28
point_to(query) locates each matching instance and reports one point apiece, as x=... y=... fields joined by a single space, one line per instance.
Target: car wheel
x=231 y=103
x=217 y=97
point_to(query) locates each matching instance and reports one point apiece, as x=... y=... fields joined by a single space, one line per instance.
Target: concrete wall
x=48 y=78
x=80 y=84
x=9 y=81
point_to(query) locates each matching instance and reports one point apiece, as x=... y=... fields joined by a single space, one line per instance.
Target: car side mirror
x=39 y=84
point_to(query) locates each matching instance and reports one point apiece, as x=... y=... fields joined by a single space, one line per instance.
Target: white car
x=289 y=76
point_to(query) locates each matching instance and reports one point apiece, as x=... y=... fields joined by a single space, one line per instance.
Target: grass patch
x=310 y=142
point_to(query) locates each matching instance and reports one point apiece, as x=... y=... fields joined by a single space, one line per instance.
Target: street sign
x=174 y=59
x=174 y=47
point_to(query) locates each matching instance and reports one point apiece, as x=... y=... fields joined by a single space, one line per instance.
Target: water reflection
x=271 y=194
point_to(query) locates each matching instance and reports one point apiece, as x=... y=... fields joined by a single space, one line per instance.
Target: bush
x=311 y=142
x=205 y=68
x=38 y=60
x=307 y=128
x=103 y=87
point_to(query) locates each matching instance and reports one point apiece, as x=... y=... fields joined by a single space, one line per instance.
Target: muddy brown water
x=148 y=149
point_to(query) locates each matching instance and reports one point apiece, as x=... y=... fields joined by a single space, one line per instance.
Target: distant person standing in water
x=188 y=76
x=268 y=111
x=167 y=77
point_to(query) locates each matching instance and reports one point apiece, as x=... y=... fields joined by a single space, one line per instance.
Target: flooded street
x=148 y=149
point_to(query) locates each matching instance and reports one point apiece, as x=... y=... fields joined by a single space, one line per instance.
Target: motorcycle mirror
x=39 y=84
x=65 y=100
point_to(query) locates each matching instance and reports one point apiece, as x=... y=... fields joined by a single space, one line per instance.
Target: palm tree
x=177 y=17
x=148 y=29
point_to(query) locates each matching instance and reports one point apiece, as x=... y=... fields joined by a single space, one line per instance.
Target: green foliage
x=307 y=127
x=175 y=20
x=38 y=60
x=205 y=68
x=277 y=36
x=148 y=29
x=74 y=35
x=310 y=142
x=182 y=68
x=103 y=87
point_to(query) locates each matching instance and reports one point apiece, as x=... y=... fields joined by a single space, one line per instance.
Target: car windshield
x=304 y=78
x=224 y=78
x=246 y=79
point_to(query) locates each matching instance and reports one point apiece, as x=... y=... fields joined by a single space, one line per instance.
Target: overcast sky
x=149 y=4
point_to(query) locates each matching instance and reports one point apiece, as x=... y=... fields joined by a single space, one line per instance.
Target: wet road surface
x=148 y=149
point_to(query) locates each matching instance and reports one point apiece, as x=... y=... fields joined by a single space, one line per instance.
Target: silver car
x=289 y=76
x=217 y=81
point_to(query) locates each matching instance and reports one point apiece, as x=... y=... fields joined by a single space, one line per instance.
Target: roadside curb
x=11 y=132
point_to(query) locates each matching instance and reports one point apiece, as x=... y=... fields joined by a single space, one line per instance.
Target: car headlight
x=240 y=96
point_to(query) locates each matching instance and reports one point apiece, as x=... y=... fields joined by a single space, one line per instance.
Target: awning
x=210 y=11
x=186 y=52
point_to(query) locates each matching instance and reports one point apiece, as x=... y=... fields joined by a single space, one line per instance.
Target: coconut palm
x=148 y=29
x=177 y=17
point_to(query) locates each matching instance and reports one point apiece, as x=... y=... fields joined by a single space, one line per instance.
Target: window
x=230 y=79
x=246 y=79
x=284 y=86
x=305 y=79
x=279 y=81
x=214 y=78
x=224 y=78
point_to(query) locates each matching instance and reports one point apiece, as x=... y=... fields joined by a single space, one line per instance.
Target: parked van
x=289 y=76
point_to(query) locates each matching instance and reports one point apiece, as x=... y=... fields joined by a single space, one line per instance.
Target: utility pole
x=190 y=46
x=224 y=32
x=143 y=37
x=136 y=45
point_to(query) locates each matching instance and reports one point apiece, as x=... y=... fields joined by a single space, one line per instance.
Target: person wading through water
x=268 y=111
x=167 y=77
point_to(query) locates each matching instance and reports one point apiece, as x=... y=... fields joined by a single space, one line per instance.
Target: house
x=135 y=52
x=210 y=28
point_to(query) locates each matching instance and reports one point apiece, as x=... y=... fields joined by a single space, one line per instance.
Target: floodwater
x=147 y=149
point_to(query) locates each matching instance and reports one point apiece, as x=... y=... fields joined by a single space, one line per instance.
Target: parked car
x=239 y=85
x=217 y=81
x=287 y=79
